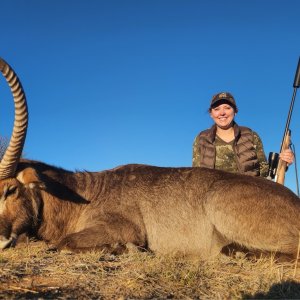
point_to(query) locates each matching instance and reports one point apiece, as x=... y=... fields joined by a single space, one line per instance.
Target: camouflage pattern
x=196 y=153
x=226 y=158
x=263 y=164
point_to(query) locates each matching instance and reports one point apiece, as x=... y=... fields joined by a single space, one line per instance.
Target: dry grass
x=30 y=272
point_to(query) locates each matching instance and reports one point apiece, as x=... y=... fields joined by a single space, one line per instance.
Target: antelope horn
x=14 y=150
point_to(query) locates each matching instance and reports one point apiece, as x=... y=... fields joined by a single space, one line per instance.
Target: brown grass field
x=30 y=271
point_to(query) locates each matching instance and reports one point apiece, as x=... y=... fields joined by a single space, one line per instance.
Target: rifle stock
x=282 y=165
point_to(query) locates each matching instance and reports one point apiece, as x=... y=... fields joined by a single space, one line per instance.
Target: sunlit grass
x=31 y=271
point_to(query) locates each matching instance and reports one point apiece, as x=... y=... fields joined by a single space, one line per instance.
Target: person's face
x=223 y=115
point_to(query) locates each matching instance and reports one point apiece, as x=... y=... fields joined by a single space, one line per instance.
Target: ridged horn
x=14 y=150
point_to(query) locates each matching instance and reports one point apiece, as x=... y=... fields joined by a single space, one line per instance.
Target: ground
x=30 y=271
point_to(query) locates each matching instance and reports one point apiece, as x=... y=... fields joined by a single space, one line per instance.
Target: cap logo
x=222 y=95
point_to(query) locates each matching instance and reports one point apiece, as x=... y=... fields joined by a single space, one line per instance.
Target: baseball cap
x=225 y=96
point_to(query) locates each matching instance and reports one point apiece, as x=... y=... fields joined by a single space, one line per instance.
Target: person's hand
x=287 y=155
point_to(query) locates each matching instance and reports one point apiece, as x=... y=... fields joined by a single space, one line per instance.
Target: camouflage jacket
x=227 y=156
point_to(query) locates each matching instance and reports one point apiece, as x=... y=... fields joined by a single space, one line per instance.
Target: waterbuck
x=195 y=211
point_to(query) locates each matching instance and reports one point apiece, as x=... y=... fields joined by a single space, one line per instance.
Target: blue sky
x=116 y=82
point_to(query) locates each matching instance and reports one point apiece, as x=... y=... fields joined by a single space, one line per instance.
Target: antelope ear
x=30 y=179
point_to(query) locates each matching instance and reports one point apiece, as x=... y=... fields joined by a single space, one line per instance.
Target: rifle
x=277 y=167
x=282 y=165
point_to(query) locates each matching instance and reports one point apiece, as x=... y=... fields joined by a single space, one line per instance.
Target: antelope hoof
x=7 y=243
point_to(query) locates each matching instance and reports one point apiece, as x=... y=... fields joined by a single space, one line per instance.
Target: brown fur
x=194 y=211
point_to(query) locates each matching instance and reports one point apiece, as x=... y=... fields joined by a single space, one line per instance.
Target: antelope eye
x=9 y=191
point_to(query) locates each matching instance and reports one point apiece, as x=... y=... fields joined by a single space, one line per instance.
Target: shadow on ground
x=284 y=290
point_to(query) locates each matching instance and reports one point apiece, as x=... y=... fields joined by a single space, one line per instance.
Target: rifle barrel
x=297 y=76
x=296 y=85
x=288 y=121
